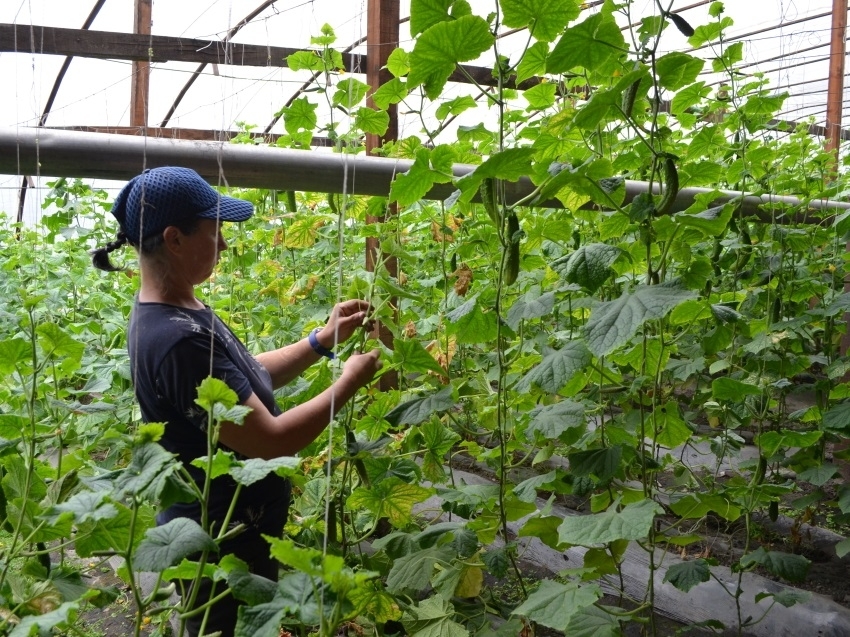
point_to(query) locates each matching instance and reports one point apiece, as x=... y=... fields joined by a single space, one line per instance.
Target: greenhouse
x=437 y=318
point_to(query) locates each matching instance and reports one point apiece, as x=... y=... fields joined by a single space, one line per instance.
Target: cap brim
x=230 y=209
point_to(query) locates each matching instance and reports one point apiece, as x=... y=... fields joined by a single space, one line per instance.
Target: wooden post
x=834 y=106
x=140 y=86
x=381 y=38
x=835 y=87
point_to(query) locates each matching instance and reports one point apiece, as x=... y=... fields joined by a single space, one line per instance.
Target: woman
x=173 y=218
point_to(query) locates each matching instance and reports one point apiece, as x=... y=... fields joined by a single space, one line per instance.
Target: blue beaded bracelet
x=317 y=346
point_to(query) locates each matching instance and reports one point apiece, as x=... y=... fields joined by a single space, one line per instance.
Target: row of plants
x=604 y=330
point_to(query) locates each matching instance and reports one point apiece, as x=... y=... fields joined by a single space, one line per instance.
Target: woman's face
x=204 y=247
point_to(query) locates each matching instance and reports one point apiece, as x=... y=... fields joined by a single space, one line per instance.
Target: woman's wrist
x=319 y=343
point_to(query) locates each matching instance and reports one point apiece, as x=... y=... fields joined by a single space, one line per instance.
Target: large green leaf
x=592 y=621
x=417 y=410
x=299 y=595
x=602 y=107
x=551 y=421
x=45 y=623
x=540 y=96
x=166 y=545
x=589 y=266
x=253 y=470
x=432 y=617
x=14 y=352
x=698 y=505
x=676 y=70
x=300 y=115
x=707 y=142
x=612 y=324
x=304 y=60
x=543 y=527
x=533 y=62
x=771 y=441
x=349 y=93
x=632 y=522
x=426 y=13
x=711 y=222
x=106 y=534
x=574 y=185
x=390 y=498
x=428 y=168
x=532 y=305
x=601 y=463
x=557 y=368
x=688 y=97
x=793 y=568
x=413 y=572
x=554 y=604
x=686 y=575
x=246 y=586
x=818 y=475
x=442 y=46
x=391 y=92
x=527 y=489
x=509 y=164
x=470 y=323
x=85 y=506
x=725 y=388
x=146 y=474
x=671 y=430
x=455 y=107
x=590 y=45
x=372 y=121
x=57 y=343
x=544 y=18
x=836 y=419
x=437 y=442
x=415 y=358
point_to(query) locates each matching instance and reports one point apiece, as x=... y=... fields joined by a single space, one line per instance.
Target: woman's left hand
x=345 y=318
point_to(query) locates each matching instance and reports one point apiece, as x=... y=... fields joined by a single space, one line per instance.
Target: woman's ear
x=172 y=238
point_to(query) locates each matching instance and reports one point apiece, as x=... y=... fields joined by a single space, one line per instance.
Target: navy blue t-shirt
x=172 y=350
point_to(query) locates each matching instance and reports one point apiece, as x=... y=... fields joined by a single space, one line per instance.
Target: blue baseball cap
x=167 y=196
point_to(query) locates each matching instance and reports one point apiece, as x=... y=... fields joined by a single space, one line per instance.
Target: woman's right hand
x=361 y=368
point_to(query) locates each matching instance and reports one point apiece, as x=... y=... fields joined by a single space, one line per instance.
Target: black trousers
x=254 y=550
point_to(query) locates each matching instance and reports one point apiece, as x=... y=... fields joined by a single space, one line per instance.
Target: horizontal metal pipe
x=60 y=153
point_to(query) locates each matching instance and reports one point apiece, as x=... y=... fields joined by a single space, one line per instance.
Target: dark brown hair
x=100 y=256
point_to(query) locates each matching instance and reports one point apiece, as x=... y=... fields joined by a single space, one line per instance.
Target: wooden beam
x=141 y=81
x=190 y=134
x=109 y=45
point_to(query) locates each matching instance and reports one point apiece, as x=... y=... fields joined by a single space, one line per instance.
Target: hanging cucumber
x=745 y=252
x=487 y=190
x=629 y=97
x=291 y=204
x=684 y=28
x=511 y=270
x=671 y=187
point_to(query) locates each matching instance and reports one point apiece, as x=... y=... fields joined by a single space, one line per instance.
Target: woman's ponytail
x=100 y=256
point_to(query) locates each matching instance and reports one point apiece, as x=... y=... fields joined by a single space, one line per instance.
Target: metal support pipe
x=59 y=153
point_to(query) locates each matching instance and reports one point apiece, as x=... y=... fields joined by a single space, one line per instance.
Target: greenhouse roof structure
x=232 y=75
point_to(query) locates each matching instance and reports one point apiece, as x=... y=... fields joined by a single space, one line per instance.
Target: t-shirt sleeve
x=186 y=366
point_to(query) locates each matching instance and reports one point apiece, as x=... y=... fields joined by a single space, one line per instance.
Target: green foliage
x=611 y=331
